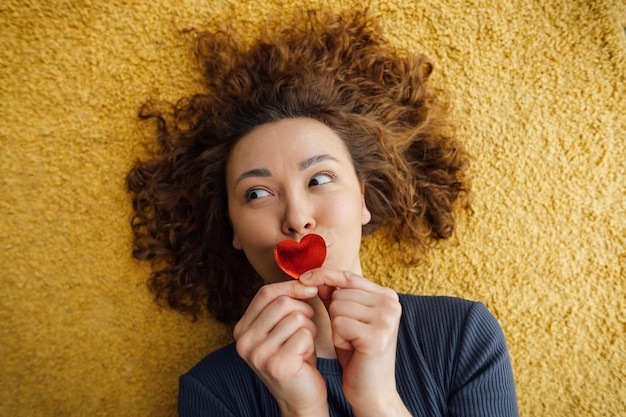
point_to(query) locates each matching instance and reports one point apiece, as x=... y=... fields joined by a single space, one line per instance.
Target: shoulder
x=431 y=305
x=448 y=325
x=442 y=331
x=460 y=348
x=437 y=316
x=431 y=328
x=444 y=314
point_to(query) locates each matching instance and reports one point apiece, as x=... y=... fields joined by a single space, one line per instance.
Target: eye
x=256 y=193
x=320 y=179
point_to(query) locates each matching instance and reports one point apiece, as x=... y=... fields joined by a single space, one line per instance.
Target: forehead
x=286 y=141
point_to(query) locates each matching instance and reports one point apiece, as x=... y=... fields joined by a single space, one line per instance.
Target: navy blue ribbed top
x=452 y=360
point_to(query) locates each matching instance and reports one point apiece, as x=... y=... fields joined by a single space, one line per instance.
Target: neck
x=324 y=347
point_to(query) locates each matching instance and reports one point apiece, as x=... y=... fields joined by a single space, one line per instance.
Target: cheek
x=252 y=229
x=346 y=211
x=240 y=226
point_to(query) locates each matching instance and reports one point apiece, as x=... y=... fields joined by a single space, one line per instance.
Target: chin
x=276 y=277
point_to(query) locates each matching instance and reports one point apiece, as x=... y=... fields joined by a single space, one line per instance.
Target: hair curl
x=336 y=69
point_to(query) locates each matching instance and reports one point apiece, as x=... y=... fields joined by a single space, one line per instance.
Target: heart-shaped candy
x=296 y=258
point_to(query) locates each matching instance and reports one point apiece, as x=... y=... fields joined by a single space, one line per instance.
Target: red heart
x=296 y=258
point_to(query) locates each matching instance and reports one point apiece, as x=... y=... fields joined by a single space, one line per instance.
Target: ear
x=236 y=242
x=366 y=216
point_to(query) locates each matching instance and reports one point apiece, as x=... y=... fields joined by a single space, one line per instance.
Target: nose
x=299 y=219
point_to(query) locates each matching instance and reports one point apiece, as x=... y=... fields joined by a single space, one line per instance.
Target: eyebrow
x=257 y=172
x=315 y=160
x=264 y=172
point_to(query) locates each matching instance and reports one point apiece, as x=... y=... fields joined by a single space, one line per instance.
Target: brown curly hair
x=334 y=68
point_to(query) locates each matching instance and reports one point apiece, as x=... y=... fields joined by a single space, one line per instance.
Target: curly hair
x=334 y=68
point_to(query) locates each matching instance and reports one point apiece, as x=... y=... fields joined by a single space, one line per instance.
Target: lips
x=295 y=258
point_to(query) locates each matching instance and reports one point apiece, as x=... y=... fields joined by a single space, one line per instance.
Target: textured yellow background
x=541 y=96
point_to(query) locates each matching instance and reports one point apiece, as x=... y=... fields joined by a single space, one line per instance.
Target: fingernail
x=306 y=276
x=310 y=290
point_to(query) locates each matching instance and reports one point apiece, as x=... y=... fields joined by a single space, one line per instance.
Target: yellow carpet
x=541 y=96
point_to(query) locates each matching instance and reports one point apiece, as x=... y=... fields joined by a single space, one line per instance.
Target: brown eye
x=256 y=193
x=320 y=179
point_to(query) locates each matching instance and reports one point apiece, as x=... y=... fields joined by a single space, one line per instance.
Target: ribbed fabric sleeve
x=483 y=382
x=452 y=360
x=222 y=384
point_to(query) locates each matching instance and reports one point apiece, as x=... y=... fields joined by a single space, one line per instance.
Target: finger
x=290 y=325
x=382 y=311
x=364 y=320
x=348 y=333
x=340 y=279
x=351 y=309
x=351 y=334
x=287 y=361
x=359 y=296
x=275 y=344
x=302 y=343
x=268 y=294
x=258 y=327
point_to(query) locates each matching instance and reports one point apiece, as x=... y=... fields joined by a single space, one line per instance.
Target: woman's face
x=288 y=179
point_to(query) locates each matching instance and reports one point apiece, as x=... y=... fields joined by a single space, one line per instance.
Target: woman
x=319 y=128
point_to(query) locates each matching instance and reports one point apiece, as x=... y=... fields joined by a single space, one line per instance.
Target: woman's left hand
x=364 y=319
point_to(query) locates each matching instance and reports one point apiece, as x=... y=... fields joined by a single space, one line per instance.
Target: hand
x=364 y=321
x=276 y=338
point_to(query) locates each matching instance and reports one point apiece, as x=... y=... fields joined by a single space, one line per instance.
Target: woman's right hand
x=276 y=337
